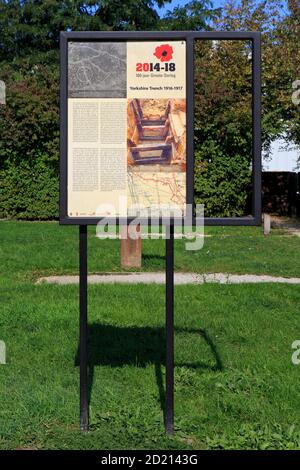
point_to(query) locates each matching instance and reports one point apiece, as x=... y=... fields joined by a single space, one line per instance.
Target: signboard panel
x=126 y=128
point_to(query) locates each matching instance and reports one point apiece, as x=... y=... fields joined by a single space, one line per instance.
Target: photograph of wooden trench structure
x=156 y=132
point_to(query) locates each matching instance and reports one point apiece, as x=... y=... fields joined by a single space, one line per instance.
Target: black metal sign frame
x=189 y=37
x=255 y=219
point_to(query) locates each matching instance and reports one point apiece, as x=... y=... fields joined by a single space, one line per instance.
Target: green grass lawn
x=31 y=249
x=235 y=384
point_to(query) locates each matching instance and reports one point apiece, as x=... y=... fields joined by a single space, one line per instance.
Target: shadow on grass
x=115 y=346
x=151 y=256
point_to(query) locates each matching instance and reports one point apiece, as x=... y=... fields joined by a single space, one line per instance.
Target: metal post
x=131 y=248
x=169 y=424
x=84 y=418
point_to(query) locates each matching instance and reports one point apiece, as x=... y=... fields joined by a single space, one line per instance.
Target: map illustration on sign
x=126 y=128
x=156 y=159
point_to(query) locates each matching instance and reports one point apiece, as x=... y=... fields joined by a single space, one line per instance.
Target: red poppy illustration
x=164 y=52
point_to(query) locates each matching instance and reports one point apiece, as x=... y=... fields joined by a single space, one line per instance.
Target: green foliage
x=29 y=192
x=221 y=181
x=30 y=119
x=192 y=16
x=279 y=23
x=223 y=100
x=29 y=123
x=258 y=438
x=222 y=127
x=29 y=143
x=32 y=26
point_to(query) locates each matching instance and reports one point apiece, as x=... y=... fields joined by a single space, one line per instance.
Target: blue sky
x=174 y=3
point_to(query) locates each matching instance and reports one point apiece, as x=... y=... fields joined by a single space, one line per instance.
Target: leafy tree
x=33 y=26
x=222 y=126
x=29 y=123
x=192 y=16
x=280 y=27
x=286 y=69
x=223 y=100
